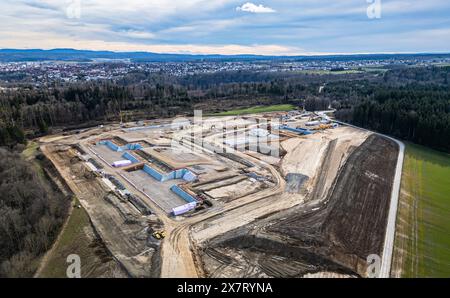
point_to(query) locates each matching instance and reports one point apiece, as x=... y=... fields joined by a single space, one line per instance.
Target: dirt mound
x=334 y=235
x=352 y=224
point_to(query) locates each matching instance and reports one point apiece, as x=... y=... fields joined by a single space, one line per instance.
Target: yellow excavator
x=159 y=235
x=323 y=127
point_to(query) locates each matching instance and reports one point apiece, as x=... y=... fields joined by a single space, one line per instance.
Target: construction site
x=281 y=194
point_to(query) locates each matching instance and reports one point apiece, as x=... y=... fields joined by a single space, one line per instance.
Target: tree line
x=411 y=103
x=31 y=213
x=415 y=112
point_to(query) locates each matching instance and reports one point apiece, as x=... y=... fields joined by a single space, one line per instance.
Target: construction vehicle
x=323 y=127
x=159 y=235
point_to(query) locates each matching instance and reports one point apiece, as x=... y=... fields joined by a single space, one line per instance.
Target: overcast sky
x=279 y=27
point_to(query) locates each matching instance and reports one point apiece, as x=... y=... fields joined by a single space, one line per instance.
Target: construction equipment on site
x=323 y=127
x=159 y=235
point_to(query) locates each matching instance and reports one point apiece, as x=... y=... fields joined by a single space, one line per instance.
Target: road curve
x=388 y=247
x=172 y=266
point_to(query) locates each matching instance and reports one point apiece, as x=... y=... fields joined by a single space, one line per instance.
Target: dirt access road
x=388 y=247
x=336 y=235
x=179 y=252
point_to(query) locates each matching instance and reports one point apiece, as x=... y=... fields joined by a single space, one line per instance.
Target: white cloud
x=253 y=8
x=27 y=40
x=214 y=26
x=137 y=34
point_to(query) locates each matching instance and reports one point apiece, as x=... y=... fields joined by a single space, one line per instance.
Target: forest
x=411 y=103
x=31 y=214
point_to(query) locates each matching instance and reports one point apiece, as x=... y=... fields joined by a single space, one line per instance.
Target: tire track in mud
x=350 y=224
x=318 y=189
x=184 y=228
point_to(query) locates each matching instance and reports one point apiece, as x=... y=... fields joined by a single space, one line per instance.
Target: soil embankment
x=335 y=235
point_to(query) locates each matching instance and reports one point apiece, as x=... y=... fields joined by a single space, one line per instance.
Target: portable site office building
x=183 y=209
x=121 y=163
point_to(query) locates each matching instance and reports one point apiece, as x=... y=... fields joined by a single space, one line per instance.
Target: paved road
x=388 y=248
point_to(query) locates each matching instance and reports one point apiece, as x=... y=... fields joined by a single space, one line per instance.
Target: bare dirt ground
x=305 y=155
x=127 y=242
x=334 y=236
x=318 y=209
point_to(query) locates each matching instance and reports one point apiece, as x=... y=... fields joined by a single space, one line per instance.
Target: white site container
x=121 y=163
x=312 y=123
x=184 y=208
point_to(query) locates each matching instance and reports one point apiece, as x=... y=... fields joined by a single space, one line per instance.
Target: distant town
x=44 y=72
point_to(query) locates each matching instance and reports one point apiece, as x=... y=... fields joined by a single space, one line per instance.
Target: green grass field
x=423 y=225
x=441 y=64
x=329 y=72
x=75 y=240
x=29 y=153
x=71 y=239
x=30 y=150
x=375 y=69
x=256 y=110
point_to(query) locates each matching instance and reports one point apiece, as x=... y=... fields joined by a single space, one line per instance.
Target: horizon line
x=237 y=54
